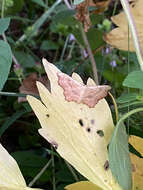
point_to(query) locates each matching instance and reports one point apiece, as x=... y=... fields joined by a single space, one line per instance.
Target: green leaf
x=48 y=45
x=4 y=23
x=134 y=80
x=16 y=7
x=124 y=98
x=30 y=164
x=119 y=158
x=94 y=36
x=5 y=62
x=29 y=159
x=11 y=120
x=24 y=59
x=65 y=17
x=115 y=77
x=76 y=2
x=40 y=2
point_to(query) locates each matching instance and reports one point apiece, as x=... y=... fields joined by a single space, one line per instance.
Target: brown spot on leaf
x=133 y=168
x=47 y=115
x=100 y=133
x=106 y=165
x=88 y=129
x=28 y=85
x=81 y=122
x=54 y=144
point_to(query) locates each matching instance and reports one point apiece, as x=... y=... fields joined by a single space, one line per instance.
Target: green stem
x=40 y=173
x=15 y=94
x=115 y=106
x=127 y=115
x=53 y=168
x=133 y=29
x=64 y=49
x=72 y=171
x=2 y=9
x=35 y=27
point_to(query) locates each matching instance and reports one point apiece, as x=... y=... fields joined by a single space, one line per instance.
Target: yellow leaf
x=10 y=174
x=119 y=36
x=80 y=134
x=83 y=185
x=137 y=163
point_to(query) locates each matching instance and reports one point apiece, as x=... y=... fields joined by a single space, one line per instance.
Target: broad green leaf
x=4 y=23
x=5 y=62
x=48 y=45
x=25 y=59
x=119 y=158
x=65 y=17
x=29 y=159
x=115 y=77
x=76 y=2
x=16 y=7
x=82 y=185
x=95 y=37
x=134 y=80
x=124 y=98
x=11 y=120
x=40 y=2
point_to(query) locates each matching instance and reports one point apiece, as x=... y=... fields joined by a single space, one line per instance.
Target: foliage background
x=34 y=29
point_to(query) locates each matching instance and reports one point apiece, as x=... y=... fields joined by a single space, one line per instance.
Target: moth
x=80 y=93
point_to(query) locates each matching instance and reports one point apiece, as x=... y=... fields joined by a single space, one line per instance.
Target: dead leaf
x=28 y=85
x=119 y=36
x=137 y=163
x=83 y=13
x=82 y=185
x=75 y=129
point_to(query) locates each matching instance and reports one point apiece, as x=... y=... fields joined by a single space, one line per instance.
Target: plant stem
x=53 y=168
x=16 y=94
x=40 y=173
x=35 y=27
x=64 y=49
x=72 y=171
x=2 y=9
x=115 y=106
x=95 y=74
x=127 y=115
x=133 y=29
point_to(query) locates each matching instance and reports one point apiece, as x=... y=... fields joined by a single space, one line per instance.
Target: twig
x=40 y=173
x=72 y=171
x=35 y=27
x=95 y=75
x=53 y=169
